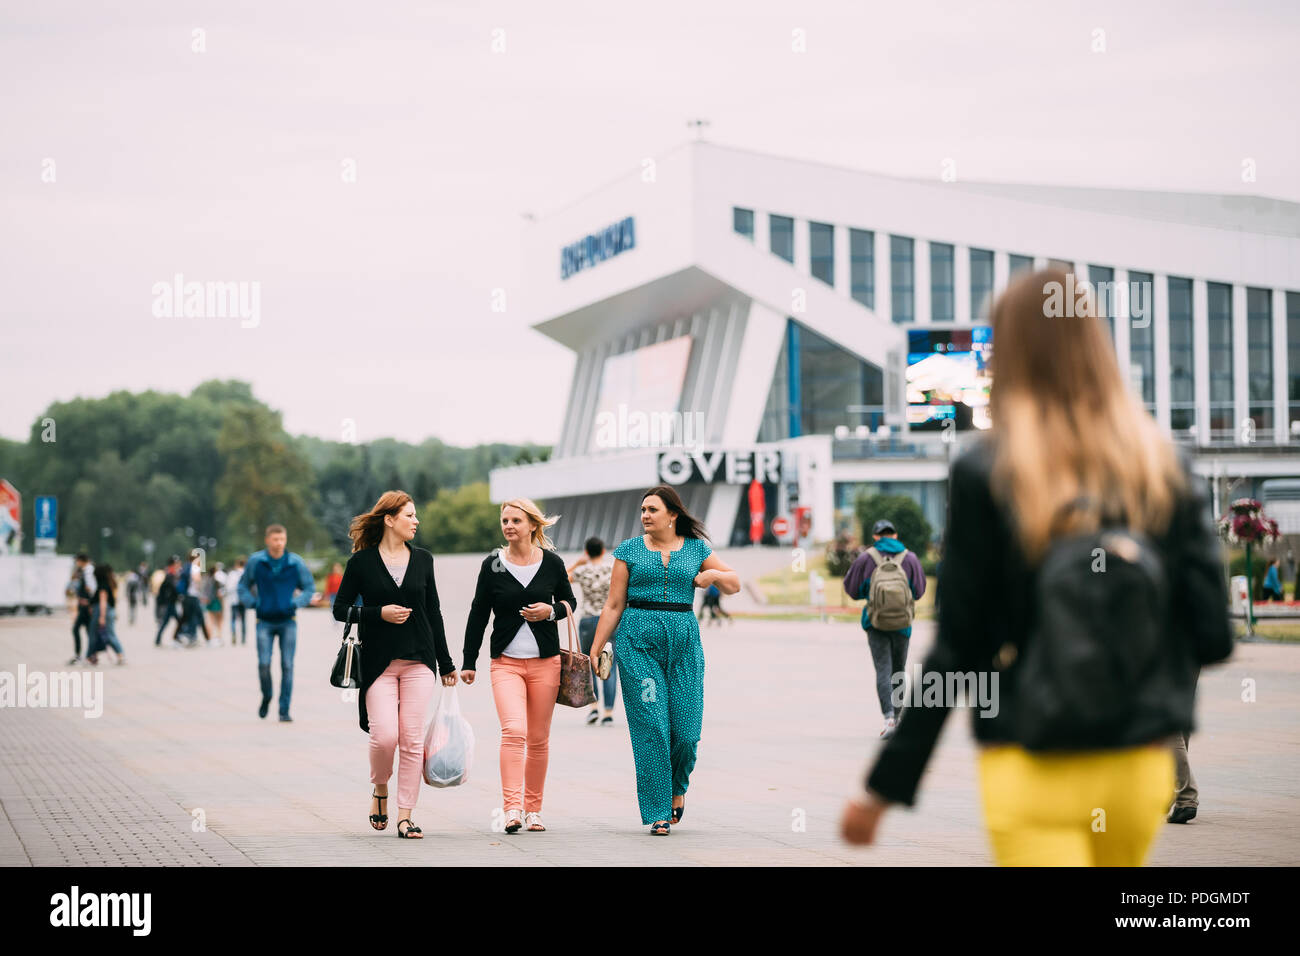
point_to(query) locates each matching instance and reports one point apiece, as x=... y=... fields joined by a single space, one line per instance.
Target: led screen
x=948 y=378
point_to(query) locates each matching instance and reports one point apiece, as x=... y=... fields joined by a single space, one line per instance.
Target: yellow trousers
x=1099 y=808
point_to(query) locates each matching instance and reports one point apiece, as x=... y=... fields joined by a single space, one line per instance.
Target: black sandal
x=410 y=828
x=661 y=828
x=379 y=820
x=679 y=812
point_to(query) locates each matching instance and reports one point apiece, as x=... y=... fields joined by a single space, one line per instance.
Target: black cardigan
x=499 y=592
x=367 y=576
x=988 y=585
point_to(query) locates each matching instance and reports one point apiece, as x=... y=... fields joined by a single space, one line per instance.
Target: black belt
x=661 y=606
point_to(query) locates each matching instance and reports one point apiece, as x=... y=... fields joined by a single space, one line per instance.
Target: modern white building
x=738 y=316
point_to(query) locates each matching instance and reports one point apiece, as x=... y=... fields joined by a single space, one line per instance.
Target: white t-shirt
x=524 y=643
x=231 y=586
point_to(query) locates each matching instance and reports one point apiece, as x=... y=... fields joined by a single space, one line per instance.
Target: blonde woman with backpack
x=1080 y=568
x=890 y=577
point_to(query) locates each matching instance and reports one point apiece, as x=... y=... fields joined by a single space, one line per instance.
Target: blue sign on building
x=47 y=517
x=596 y=248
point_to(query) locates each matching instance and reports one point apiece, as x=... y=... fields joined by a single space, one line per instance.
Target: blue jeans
x=110 y=633
x=167 y=613
x=267 y=631
x=889 y=654
x=587 y=635
x=237 y=612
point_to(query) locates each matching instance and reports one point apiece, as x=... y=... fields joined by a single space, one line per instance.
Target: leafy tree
x=461 y=520
x=265 y=480
x=905 y=514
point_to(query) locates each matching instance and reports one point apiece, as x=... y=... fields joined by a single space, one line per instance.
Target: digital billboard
x=948 y=378
x=638 y=398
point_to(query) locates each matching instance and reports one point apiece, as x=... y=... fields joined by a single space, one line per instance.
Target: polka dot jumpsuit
x=661 y=665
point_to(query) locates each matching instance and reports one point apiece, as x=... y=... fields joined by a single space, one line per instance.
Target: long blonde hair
x=538 y=521
x=1067 y=428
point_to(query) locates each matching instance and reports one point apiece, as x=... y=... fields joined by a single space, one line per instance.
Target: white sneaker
x=534 y=822
x=218 y=642
x=890 y=724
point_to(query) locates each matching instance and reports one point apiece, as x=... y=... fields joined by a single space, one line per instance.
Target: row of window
x=1182 y=394
x=862 y=266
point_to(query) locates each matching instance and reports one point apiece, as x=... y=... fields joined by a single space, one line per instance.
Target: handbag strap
x=573 y=631
x=347 y=626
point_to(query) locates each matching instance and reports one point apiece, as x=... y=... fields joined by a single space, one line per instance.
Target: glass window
x=862 y=266
x=1259 y=361
x=782 y=236
x=901 y=279
x=981 y=283
x=941 y=280
x=815 y=385
x=1065 y=265
x=1219 y=327
x=1019 y=263
x=1182 y=365
x=821 y=243
x=1141 y=337
x=832 y=380
x=1103 y=279
x=1293 y=361
x=742 y=221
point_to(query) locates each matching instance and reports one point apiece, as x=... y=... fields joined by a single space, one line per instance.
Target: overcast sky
x=226 y=164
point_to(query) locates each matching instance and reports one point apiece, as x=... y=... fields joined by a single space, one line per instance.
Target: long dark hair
x=104 y=577
x=687 y=525
x=367 y=529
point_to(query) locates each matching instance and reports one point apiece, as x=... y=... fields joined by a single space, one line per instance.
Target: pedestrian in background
x=275 y=583
x=103 y=615
x=591 y=573
x=1073 y=470
x=167 y=600
x=713 y=604
x=210 y=594
x=237 y=609
x=82 y=588
x=891 y=579
x=1273 y=581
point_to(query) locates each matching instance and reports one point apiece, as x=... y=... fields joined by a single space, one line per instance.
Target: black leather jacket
x=988 y=588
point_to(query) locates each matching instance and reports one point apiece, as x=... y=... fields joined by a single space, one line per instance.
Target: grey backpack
x=890 y=605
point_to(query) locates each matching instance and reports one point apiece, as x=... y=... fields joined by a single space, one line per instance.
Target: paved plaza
x=179 y=770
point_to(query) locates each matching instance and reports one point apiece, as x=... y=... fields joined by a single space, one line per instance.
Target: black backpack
x=1093 y=661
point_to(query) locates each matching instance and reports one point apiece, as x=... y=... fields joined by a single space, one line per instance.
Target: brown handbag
x=577 y=689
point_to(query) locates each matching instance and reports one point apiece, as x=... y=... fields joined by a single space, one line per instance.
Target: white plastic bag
x=448 y=744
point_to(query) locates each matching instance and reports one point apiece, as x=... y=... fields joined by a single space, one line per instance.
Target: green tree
x=265 y=481
x=905 y=514
x=461 y=520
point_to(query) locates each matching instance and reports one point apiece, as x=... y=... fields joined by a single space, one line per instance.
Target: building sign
x=47 y=523
x=11 y=518
x=595 y=249
x=734 y=467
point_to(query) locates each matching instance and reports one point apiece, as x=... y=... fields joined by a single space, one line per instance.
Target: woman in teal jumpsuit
x=651 y=604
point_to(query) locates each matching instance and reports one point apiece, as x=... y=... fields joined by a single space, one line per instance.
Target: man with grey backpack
x=890 y=577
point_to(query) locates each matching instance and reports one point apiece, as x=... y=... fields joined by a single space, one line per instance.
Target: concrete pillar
x=961 y=284
x=921 y=281
x=1201 y=358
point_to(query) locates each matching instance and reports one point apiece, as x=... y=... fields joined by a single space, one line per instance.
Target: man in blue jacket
x=275 y=584
x=888 y=646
